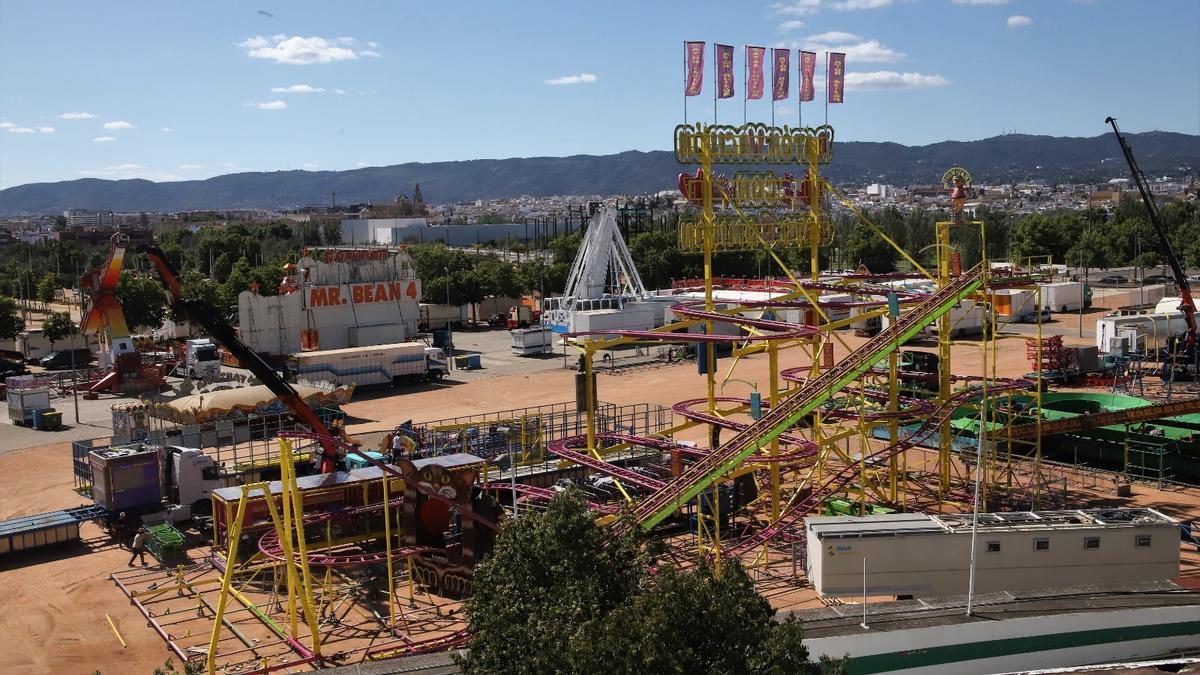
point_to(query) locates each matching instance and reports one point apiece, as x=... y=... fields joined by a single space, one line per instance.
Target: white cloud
x=833 y=36
x=14 y=129
x=1018 y=21
x=125 y=167
x=361 y=164
x=166 y=130
x=797 y=7
x=372 y=54
x=190 y=167
x=980 y=2
x=789 y=26
x=119 y=124
x=299 y=50
x=45 y=130
x=310 y=166
x=339 y=91
x=103 y=139
x=271 y=105
x=6 y=125
x=372 y=44
x=76 y=116
x=851 y=5
x=297 y=89
x=887 y=80
x=582 y=78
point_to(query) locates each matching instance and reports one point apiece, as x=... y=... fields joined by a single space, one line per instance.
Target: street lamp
x=449 y=334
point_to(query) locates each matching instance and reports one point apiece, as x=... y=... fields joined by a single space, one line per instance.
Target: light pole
x=449 y=334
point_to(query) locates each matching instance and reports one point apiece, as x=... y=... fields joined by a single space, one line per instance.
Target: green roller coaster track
x=805 y=400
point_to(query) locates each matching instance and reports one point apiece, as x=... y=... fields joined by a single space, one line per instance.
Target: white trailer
x=1155 y=329
x=531 y=341
x=437 y=316
x=379 y=364
x=1062 y=296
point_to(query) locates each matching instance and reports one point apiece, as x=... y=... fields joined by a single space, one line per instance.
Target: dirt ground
x=56 y=601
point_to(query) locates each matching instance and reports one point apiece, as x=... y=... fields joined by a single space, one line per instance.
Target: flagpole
x=827 y=88
x=745 y=81
x=800 y=96
x=686 y=57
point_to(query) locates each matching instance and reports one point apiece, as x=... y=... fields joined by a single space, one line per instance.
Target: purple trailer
x=126 y=478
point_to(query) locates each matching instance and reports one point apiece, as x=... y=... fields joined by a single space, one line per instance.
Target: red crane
x=205 y=315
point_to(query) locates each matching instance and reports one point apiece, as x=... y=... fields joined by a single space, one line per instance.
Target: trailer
x=1154 y=329
x=1063 y=296
x=531 y=341
x=380 y=364
x=440 y=316
x=45 y=529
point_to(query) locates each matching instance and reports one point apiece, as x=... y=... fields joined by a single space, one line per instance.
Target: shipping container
x=43 y=529
x=530 y=341
x=126 y=478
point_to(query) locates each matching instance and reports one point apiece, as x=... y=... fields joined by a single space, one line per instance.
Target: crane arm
x=206 y=316
x=1186 y=304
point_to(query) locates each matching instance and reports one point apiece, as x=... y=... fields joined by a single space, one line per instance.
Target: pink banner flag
x=808 y=65
x=724 y=71
x=781 y=70
x=694 y=52
x=837 y=77
x=754 y=65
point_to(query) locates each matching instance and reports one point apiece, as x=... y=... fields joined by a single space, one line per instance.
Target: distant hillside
x=992 y=160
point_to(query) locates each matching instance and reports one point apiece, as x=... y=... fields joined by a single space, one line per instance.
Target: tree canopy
x=57 y=326
x=561 y=594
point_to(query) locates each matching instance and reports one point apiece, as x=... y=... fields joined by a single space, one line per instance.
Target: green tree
x=331 y=233
x=143 y=300
x=562 y=594
x=11 y=323
x=194 y=286
x=57 y=326
x=221 y=267
x=47 y=288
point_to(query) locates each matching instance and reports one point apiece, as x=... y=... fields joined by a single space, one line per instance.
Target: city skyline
x=142 y=90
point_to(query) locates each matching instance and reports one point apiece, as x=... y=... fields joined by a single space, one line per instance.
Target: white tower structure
x=603 y=276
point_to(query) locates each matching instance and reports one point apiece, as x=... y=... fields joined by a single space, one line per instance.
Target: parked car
x=1114 y=279
x=12 y=368
x=65 y=358
x=1157 y=279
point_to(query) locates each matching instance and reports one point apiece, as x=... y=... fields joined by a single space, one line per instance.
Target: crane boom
x=205 y=315
x=1186 y=304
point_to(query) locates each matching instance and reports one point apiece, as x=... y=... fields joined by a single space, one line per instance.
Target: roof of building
x=914 y=523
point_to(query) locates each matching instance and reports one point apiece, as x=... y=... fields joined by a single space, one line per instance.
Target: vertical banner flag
x=695 y=68
x=724 y=71
x=808 y=65
x=754 y=64
x=780 y=72
x=837 y=77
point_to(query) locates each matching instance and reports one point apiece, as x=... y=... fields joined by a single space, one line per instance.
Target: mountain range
x=1000 y=159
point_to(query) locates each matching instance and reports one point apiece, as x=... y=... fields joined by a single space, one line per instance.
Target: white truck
x=398 y=363
x=202 y=361
x=531 y=341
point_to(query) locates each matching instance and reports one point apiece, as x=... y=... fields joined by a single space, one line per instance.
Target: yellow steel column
x=773 y=366
x=945 y=326
x=234 y=531
x=387 y=535
x=305 y=589
x=893 y=425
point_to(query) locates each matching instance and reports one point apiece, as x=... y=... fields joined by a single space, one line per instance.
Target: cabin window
x=1142 y=541
x=1091 y=542
x=993 y=547
x=1041 y=544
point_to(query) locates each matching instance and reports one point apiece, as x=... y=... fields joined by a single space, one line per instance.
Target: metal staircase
x=811 y=395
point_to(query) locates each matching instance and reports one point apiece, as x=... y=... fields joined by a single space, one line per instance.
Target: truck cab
x=435 y=362
x=202 y=360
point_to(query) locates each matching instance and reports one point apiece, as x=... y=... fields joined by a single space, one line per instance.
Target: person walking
x=139 y=546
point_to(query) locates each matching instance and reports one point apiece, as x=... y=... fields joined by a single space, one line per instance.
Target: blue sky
x=171 y=90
